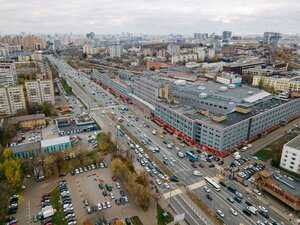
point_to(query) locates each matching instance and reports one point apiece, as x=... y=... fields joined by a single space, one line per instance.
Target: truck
x=252 y=209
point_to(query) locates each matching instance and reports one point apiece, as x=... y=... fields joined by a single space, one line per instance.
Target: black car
x=174 y=179
x=11 y=220
x=94 y=208
x=248 y=203
x=237 y=199
x=223 y=183
x=118 y=202
x=209 y=197
x=165 y=162
x=100 y=186
x=62 y=174
x=264 y=214
x=122 y=200
x=247 y=212
x=128 y=221
x=122 y=193
x=104 y=193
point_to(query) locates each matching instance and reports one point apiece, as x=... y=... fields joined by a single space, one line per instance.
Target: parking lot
x=85 y=186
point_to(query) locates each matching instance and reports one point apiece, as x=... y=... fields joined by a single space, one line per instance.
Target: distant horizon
x=149 y=17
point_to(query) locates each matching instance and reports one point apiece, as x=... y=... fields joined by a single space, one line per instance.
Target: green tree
x=4 y=197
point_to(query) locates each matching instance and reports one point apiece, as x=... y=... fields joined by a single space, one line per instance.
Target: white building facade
x=290 y=157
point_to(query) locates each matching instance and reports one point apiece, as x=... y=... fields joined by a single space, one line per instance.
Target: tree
x=80 y=154
x=7 y=132
x=47 y=108
x=152 y=68
x=12 y=173
x=4 y=197
x=59 y=160
x=143 y=179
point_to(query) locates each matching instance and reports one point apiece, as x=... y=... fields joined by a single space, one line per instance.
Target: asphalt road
x=181 y=166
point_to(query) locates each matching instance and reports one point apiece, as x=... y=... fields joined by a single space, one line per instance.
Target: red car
x=114 y=178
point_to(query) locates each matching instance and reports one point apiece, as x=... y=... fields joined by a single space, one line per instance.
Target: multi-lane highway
x=100 y=103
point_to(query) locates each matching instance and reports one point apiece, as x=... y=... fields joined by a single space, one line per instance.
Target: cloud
x=144 y=16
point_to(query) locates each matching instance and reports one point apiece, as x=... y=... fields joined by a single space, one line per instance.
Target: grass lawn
x=66 y=87
x=263 y=155
x=274 y=149
x=136 y=220
x=161 y=219
x=59 y=216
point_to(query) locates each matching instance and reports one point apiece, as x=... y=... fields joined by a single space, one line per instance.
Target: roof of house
x=55 y=141
x=18 y=119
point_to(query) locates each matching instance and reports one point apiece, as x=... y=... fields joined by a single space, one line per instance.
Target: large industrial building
x=218 y=117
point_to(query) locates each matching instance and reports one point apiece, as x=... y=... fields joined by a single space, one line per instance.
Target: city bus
x=191 y=156
x=212 y=183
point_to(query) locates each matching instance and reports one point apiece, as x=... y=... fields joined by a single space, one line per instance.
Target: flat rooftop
x=288 y=184
x=232 y=118
x=294 y=143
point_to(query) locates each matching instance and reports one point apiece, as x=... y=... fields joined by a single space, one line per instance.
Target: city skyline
x=155 y=17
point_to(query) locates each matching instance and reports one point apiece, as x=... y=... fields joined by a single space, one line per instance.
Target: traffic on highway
x=204 y=174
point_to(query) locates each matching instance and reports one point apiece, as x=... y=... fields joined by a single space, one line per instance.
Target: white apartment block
x=290 y=157
x=184 y=58
x=40 y=91
x=8 y=74
x=11 y=100
x=115 y=50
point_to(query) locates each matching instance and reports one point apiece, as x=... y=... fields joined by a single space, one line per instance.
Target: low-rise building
x=29 y=122
x=72 y=125
x=29 y=150
x=290 y=156
x=281 y=187
x=279 y=83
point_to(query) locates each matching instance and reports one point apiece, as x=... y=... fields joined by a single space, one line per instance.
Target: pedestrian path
x=196 y=185
x=172 y=193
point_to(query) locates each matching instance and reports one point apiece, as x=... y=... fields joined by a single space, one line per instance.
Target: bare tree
x=80 y=154
x=59 y=160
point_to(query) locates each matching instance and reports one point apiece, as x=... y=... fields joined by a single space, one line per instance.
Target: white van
x=197 y=173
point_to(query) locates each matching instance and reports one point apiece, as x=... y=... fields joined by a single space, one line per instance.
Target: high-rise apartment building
x=271 y=37
x=173 y=49
x=201 y=36
x=39 y=91
x=8 y=74
x=32 y=42
x=226 y=35
x=115 y=50
x=11 y=100
x=90 y=35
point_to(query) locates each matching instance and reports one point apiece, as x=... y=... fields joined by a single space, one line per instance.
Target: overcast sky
x=149 y=16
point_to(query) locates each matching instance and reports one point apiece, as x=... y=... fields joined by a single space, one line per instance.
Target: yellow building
x=29 y=122
x=278 y=83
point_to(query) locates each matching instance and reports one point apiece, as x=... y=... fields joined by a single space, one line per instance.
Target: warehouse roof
x=55 y=141
x=18 y=119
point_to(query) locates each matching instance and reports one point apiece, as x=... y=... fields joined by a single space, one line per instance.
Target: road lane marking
x=172 y=193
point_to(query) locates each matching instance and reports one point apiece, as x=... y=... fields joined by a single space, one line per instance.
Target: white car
x=118 y=185
x=257 y=192
x=239 y=194
x=233 y=212
x=263 y=209
x=206 y=189
x=108 y=204
x=177 y=148
x=220 y=213
x=99 y=207
x=167 y=185
x=112 y=196
x=158 y=182
x=161 y=176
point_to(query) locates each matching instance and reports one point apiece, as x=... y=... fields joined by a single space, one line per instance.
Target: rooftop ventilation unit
x=203 y=95
x=223 y=88
x=201 y=88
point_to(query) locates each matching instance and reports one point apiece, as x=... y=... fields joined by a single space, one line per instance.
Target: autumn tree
x=11 y=170
x=143 y=179
x=4 y=197
x=88 y=222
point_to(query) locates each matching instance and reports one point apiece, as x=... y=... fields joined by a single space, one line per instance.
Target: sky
x=149 y=16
